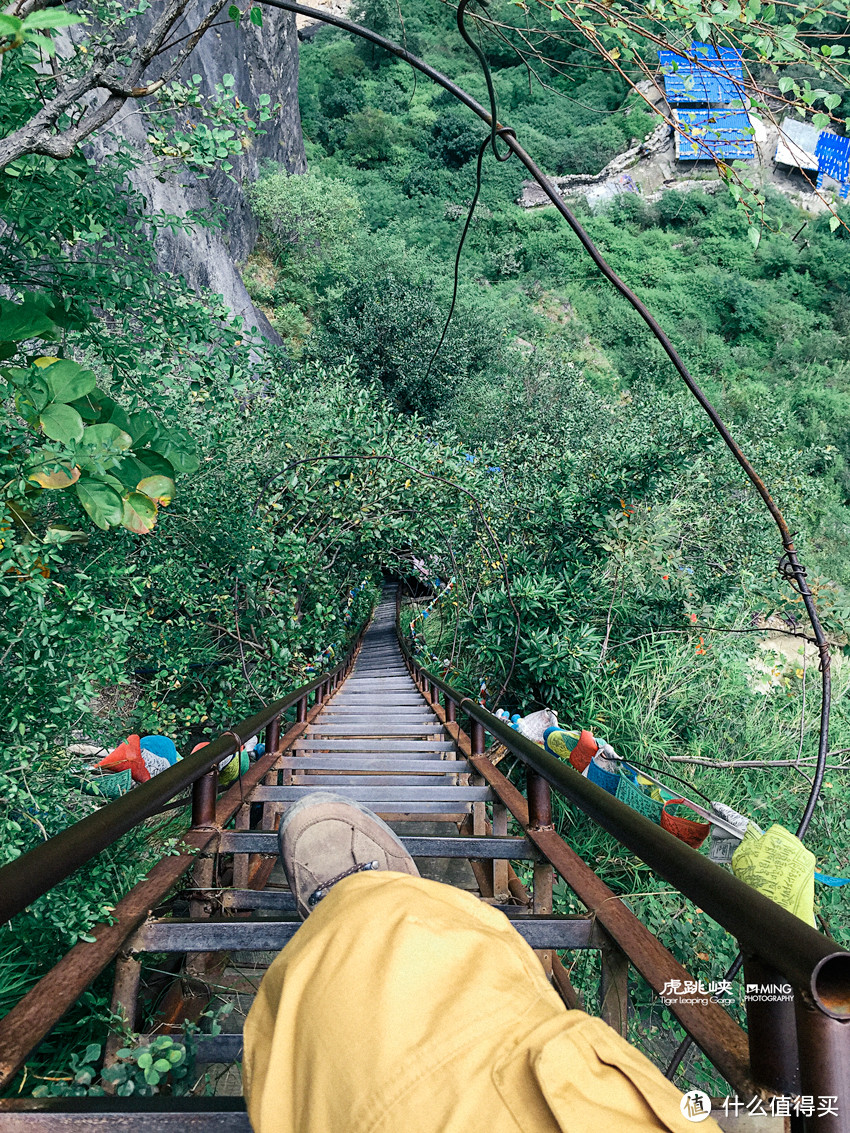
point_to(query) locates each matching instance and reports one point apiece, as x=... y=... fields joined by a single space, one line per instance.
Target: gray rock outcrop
x=262 y=61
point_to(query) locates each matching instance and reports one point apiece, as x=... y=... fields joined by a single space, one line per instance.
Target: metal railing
x=794 y=1047
x=28 y=877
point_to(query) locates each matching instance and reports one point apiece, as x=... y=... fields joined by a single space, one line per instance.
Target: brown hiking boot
x=325 y=837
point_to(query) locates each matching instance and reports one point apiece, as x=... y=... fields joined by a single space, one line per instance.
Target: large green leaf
x=142 y=426
x=159 y=488
x=61 y=423
x=178 y=448
x=112 y=413
x=20 y=321
x=103 y=505
x=88 y=407
x=67 y=380
x=33 y=392
x=105 y=438
x=139 y=513
x=131 y=471
x=51 y=18
x=155 y=462
x=51 y=472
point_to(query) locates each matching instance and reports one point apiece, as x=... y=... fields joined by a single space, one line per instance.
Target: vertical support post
x=203 y=876
x=203 y=872
x=301 y=710
x=540 y=818
x=451 y=711
x=240 y=861
x=479 y=814
x=432 y=692
x=824 y=1048
x=272 y=741
x=500 y=865
x=772 y=1032
x=203 y=798
x=125 y=991
x=614 y=987
x=272 y=736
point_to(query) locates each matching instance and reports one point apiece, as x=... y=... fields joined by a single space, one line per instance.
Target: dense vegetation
x=546 y=459
x=638 y=561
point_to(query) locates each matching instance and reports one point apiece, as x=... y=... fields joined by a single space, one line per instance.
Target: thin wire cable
x=478 y=167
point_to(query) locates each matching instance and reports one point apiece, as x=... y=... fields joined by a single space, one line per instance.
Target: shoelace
x=322 y=891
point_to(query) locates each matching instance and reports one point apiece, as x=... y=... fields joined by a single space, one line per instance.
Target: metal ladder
x=376 y=740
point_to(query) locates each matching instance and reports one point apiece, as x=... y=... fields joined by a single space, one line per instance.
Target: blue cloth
x=833 y=881
x=605 y=779
x=162 y=746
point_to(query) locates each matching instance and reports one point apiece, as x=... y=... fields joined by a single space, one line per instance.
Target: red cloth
x=583 y=752
x=127 y=757
x=685 y=829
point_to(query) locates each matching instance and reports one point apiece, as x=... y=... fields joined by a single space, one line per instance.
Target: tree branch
x=40 y=136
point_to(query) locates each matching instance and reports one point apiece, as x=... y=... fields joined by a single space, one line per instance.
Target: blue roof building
x=714 y=135
x=833 y=154
x=704 y=74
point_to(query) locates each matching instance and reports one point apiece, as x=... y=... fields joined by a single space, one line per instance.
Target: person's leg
x=406 y=1006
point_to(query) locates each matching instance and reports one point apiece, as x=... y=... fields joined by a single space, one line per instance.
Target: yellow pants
x=407 y=1006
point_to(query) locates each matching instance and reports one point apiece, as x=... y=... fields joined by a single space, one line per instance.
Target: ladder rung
x=260 y=935
x=319 y=729
x=340 y=779
x=375 y=762
x=133 y=1114
x=220 y=1048
x=514 y=849
x=383 y=795
x=375 y=719
x=378 y=700
x=406 y=712
x=374 y=745
x=264 y=935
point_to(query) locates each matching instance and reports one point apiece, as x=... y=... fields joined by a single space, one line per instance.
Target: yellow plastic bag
x=777 y=864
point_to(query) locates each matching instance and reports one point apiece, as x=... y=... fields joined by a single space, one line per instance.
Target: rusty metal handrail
x=30 y=876
x=808 y=959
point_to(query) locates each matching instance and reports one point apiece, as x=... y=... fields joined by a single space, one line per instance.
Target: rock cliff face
x=263 y=61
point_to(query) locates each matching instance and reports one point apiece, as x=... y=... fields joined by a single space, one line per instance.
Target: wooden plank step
x=377 y=704
x=409 y=796
x=131 y=1115
x=388 y=713
x=341 y=779
x=263 y=934
x=376 y=744
x=320 y=729
x=359 y=716
x=375 y=763
x=386 y=683
x=484 y=847
x=380 y=670
x=379 y=700
x=408 y=713
x=376 y=720
x=436 y=812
